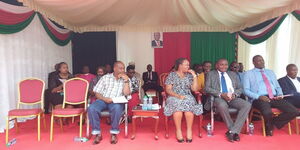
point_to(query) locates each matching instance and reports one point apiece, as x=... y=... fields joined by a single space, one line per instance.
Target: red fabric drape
x=176 y=45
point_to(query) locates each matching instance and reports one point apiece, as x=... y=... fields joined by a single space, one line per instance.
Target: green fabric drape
x=297 y=15
x=52 y=36
x=9 y=29
x=212 y=46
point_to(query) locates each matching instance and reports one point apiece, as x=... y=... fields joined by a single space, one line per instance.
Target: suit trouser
x=295 y=100
x=289 y=112
x=243 y=107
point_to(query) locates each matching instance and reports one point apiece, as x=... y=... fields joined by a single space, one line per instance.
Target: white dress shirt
x=229 y=85
x=296 y=83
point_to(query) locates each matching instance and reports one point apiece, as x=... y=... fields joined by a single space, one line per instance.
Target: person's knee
x=221 y=105
x=117 y=108
x=267 y=114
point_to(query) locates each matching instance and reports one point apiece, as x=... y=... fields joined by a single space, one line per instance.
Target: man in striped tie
x=226 y=89
x=263 y=90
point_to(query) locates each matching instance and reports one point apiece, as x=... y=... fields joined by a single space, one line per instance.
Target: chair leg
x=73 y=119
x=212 y=121
x=297 y=126
x=80 y=126
x=251 y=115
x=39 y=127
x=263 y=126
x=44 y=119
x=200 y=126
x=167 y=127
x=16 y=124
x=126 y=126
x=7 y=128
x=61 y=124
x=51 y=128
x=289 y=128
x=87 y=126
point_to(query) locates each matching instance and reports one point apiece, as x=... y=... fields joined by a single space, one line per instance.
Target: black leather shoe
x=189 y=140
x=236 y=137
x=180 y=140
x=229 y=136
x=97 y=139
x=114 y=139
x=269 y=132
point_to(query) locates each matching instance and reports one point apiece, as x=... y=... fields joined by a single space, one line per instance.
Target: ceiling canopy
x=161 y=15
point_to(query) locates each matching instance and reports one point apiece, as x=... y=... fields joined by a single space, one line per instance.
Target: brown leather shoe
x=97 y=139
x=114 y=139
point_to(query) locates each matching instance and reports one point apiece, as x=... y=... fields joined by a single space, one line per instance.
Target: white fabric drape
x=29 y=53
x=135 y=47
x=281 y=49
x=161 y=15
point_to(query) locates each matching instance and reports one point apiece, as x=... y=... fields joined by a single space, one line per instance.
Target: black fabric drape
x=93 y=49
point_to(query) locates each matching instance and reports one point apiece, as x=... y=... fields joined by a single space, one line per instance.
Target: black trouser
x=294 y=100
x=289 y=112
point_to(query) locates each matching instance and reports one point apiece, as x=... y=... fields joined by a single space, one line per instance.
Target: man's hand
x=264 y=98
x=225 y=97
x=280 y=97
x=123 y=76
x=107 y=100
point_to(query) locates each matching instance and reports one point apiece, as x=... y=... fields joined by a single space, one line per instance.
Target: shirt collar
x=291 y=78
x=256 y=69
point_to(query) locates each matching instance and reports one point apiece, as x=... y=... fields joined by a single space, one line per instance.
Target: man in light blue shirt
x=263 y=90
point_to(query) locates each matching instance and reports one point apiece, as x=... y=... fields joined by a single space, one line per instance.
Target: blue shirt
x=254 y=85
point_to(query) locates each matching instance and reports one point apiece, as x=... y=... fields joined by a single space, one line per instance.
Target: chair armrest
x=164 y=97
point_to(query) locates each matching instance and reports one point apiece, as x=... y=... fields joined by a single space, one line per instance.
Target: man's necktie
x=158 y=43
x=223 y=83
x=267 y=83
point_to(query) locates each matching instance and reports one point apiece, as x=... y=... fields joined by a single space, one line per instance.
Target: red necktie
x=158 y=43
x=268 y=85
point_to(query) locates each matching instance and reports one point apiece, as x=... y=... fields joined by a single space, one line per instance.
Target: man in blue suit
x=290 y=84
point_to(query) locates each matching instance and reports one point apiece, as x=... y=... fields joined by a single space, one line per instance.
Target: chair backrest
x=75 y=91
x=162 y=79
x=31 y=91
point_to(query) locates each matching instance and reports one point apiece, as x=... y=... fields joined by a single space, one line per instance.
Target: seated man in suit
x=151 y=81
x=225 y=87
x=290 y=84
x=263 y=90
x=111 y=85
x=157 y=42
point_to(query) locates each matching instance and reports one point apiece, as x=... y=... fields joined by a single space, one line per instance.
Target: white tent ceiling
x=161 y=15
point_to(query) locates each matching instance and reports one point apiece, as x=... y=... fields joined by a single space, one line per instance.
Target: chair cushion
x=275 y=110
x=24 y=112
x=68 y=111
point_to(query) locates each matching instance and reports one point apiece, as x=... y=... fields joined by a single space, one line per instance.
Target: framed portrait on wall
x=157 y=40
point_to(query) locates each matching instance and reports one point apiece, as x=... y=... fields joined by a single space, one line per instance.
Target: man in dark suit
x=151 y=81
x=157 y=42
x=226 y=88
x=290 y=84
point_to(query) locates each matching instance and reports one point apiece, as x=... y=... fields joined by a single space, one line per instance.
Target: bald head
x=119 y=67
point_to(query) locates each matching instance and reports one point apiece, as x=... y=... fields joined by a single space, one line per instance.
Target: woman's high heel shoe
x=180 y=140
x=189 y=140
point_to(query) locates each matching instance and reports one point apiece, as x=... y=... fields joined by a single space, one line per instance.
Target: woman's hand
x=181 y=97
x=192 y=72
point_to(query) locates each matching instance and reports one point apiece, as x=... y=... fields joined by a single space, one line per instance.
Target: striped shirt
x=108 y=86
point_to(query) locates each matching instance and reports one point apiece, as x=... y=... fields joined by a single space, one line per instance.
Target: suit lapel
x=216 y=76
x=291 y=83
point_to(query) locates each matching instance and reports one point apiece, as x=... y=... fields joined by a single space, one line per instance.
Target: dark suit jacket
x=212 y=85
x=288 y=87
x=155 y=45
x=154 y=77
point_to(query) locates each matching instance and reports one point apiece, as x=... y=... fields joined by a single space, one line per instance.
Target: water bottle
x=145 y=99
x=150 y=100
x=80 y=139
x=251 y=128
x=209 y=129
x=11 y=142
